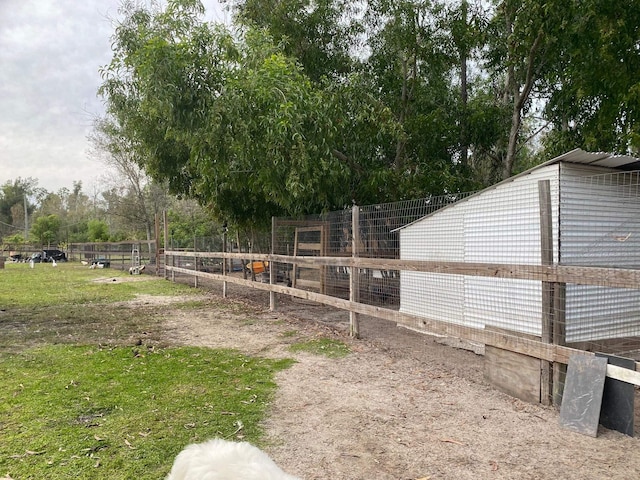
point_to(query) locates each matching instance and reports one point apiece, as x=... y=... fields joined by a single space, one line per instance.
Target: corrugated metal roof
x=599 y=159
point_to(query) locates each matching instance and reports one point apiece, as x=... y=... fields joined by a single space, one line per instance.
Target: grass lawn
x=79 y=399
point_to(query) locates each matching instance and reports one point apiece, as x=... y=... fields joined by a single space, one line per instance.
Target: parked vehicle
x=49 y=255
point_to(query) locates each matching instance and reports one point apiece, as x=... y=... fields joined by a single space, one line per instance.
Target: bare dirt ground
x=401 y=406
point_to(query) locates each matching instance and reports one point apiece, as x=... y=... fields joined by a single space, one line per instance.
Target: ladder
x=135 y=261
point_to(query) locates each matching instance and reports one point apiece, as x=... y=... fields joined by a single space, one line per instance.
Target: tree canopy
x=309 y=105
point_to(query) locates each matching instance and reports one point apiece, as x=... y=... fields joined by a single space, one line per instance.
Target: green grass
x=90 y=388
x=92 y=412
x=73 y=304
x=74 y=284
x=322 y=346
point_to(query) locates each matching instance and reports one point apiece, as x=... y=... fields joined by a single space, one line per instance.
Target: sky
x=50 y=55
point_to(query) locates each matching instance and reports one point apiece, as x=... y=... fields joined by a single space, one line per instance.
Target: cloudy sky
x=50 y=55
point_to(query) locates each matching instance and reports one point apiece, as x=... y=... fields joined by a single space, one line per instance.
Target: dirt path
x=401 y=406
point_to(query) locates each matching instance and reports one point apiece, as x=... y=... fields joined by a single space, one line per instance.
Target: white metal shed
x=595 y=209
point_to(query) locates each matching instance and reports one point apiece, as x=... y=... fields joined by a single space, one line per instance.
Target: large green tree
x=594 y=92
x=313 y=105
x=14 y=196
x=237 y=123
x=46 y=229
x=321 y=35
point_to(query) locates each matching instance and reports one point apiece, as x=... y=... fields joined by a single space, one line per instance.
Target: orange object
x=258 y=267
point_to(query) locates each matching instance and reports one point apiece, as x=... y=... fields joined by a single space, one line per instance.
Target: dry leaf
x=129 y=445
x=449 y=440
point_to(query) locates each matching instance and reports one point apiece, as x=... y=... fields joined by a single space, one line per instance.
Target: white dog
x=223 y=460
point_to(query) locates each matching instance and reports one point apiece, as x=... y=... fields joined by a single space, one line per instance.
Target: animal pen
x=536 y=269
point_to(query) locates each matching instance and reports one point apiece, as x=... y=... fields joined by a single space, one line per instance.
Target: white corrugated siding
x=433 y=295
x=503 y=226
x=499 y=225
x=600 y=226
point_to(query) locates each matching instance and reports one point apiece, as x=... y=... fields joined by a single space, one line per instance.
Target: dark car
x=57 y=255
x=49 y=255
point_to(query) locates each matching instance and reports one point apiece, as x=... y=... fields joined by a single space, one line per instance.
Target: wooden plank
x=597 y=276
x=308 y=283
x=533 y=348
x=624 y=374
x=309 y=246
x=513 y=373
x=310 y=267
x=313 y=228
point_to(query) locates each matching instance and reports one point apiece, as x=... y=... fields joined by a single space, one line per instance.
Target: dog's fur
x=223 y=460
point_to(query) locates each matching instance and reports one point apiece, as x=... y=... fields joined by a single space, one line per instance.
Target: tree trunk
x=519 y=98
x=464 y=93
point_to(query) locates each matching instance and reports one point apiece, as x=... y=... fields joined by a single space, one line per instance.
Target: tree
x=319 y=34
x=14 y=196
x=13 y=242
x=524 y=38
x=45 y=229
x=314 y=105
x=137 y=200
x=98 y=231
x=237 y=124
x=594 y=93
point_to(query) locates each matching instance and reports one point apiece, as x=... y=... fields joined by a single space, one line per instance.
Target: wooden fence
x=119 y=254
x=556 y=354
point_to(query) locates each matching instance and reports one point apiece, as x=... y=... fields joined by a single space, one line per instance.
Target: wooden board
x=306 y=248
x=513 y=373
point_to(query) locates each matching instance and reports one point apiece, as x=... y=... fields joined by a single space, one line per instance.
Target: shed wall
x=596 y=222
x=499 y=225
x=600 y=226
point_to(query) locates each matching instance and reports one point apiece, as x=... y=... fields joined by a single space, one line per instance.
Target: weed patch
x=322 y=346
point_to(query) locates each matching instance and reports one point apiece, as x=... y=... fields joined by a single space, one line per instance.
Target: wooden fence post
x=165 y=226
x=224 y=262
x=156 y=232
x=354 y=283
x=546 y=256
x=195 y=261
x=559 y=338
x=272 y=268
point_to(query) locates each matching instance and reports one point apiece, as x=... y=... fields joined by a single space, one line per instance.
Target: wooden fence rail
x=558 y=274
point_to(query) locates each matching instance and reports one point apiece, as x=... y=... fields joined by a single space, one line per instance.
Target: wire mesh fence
x=581 y=219
x=547 y=258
